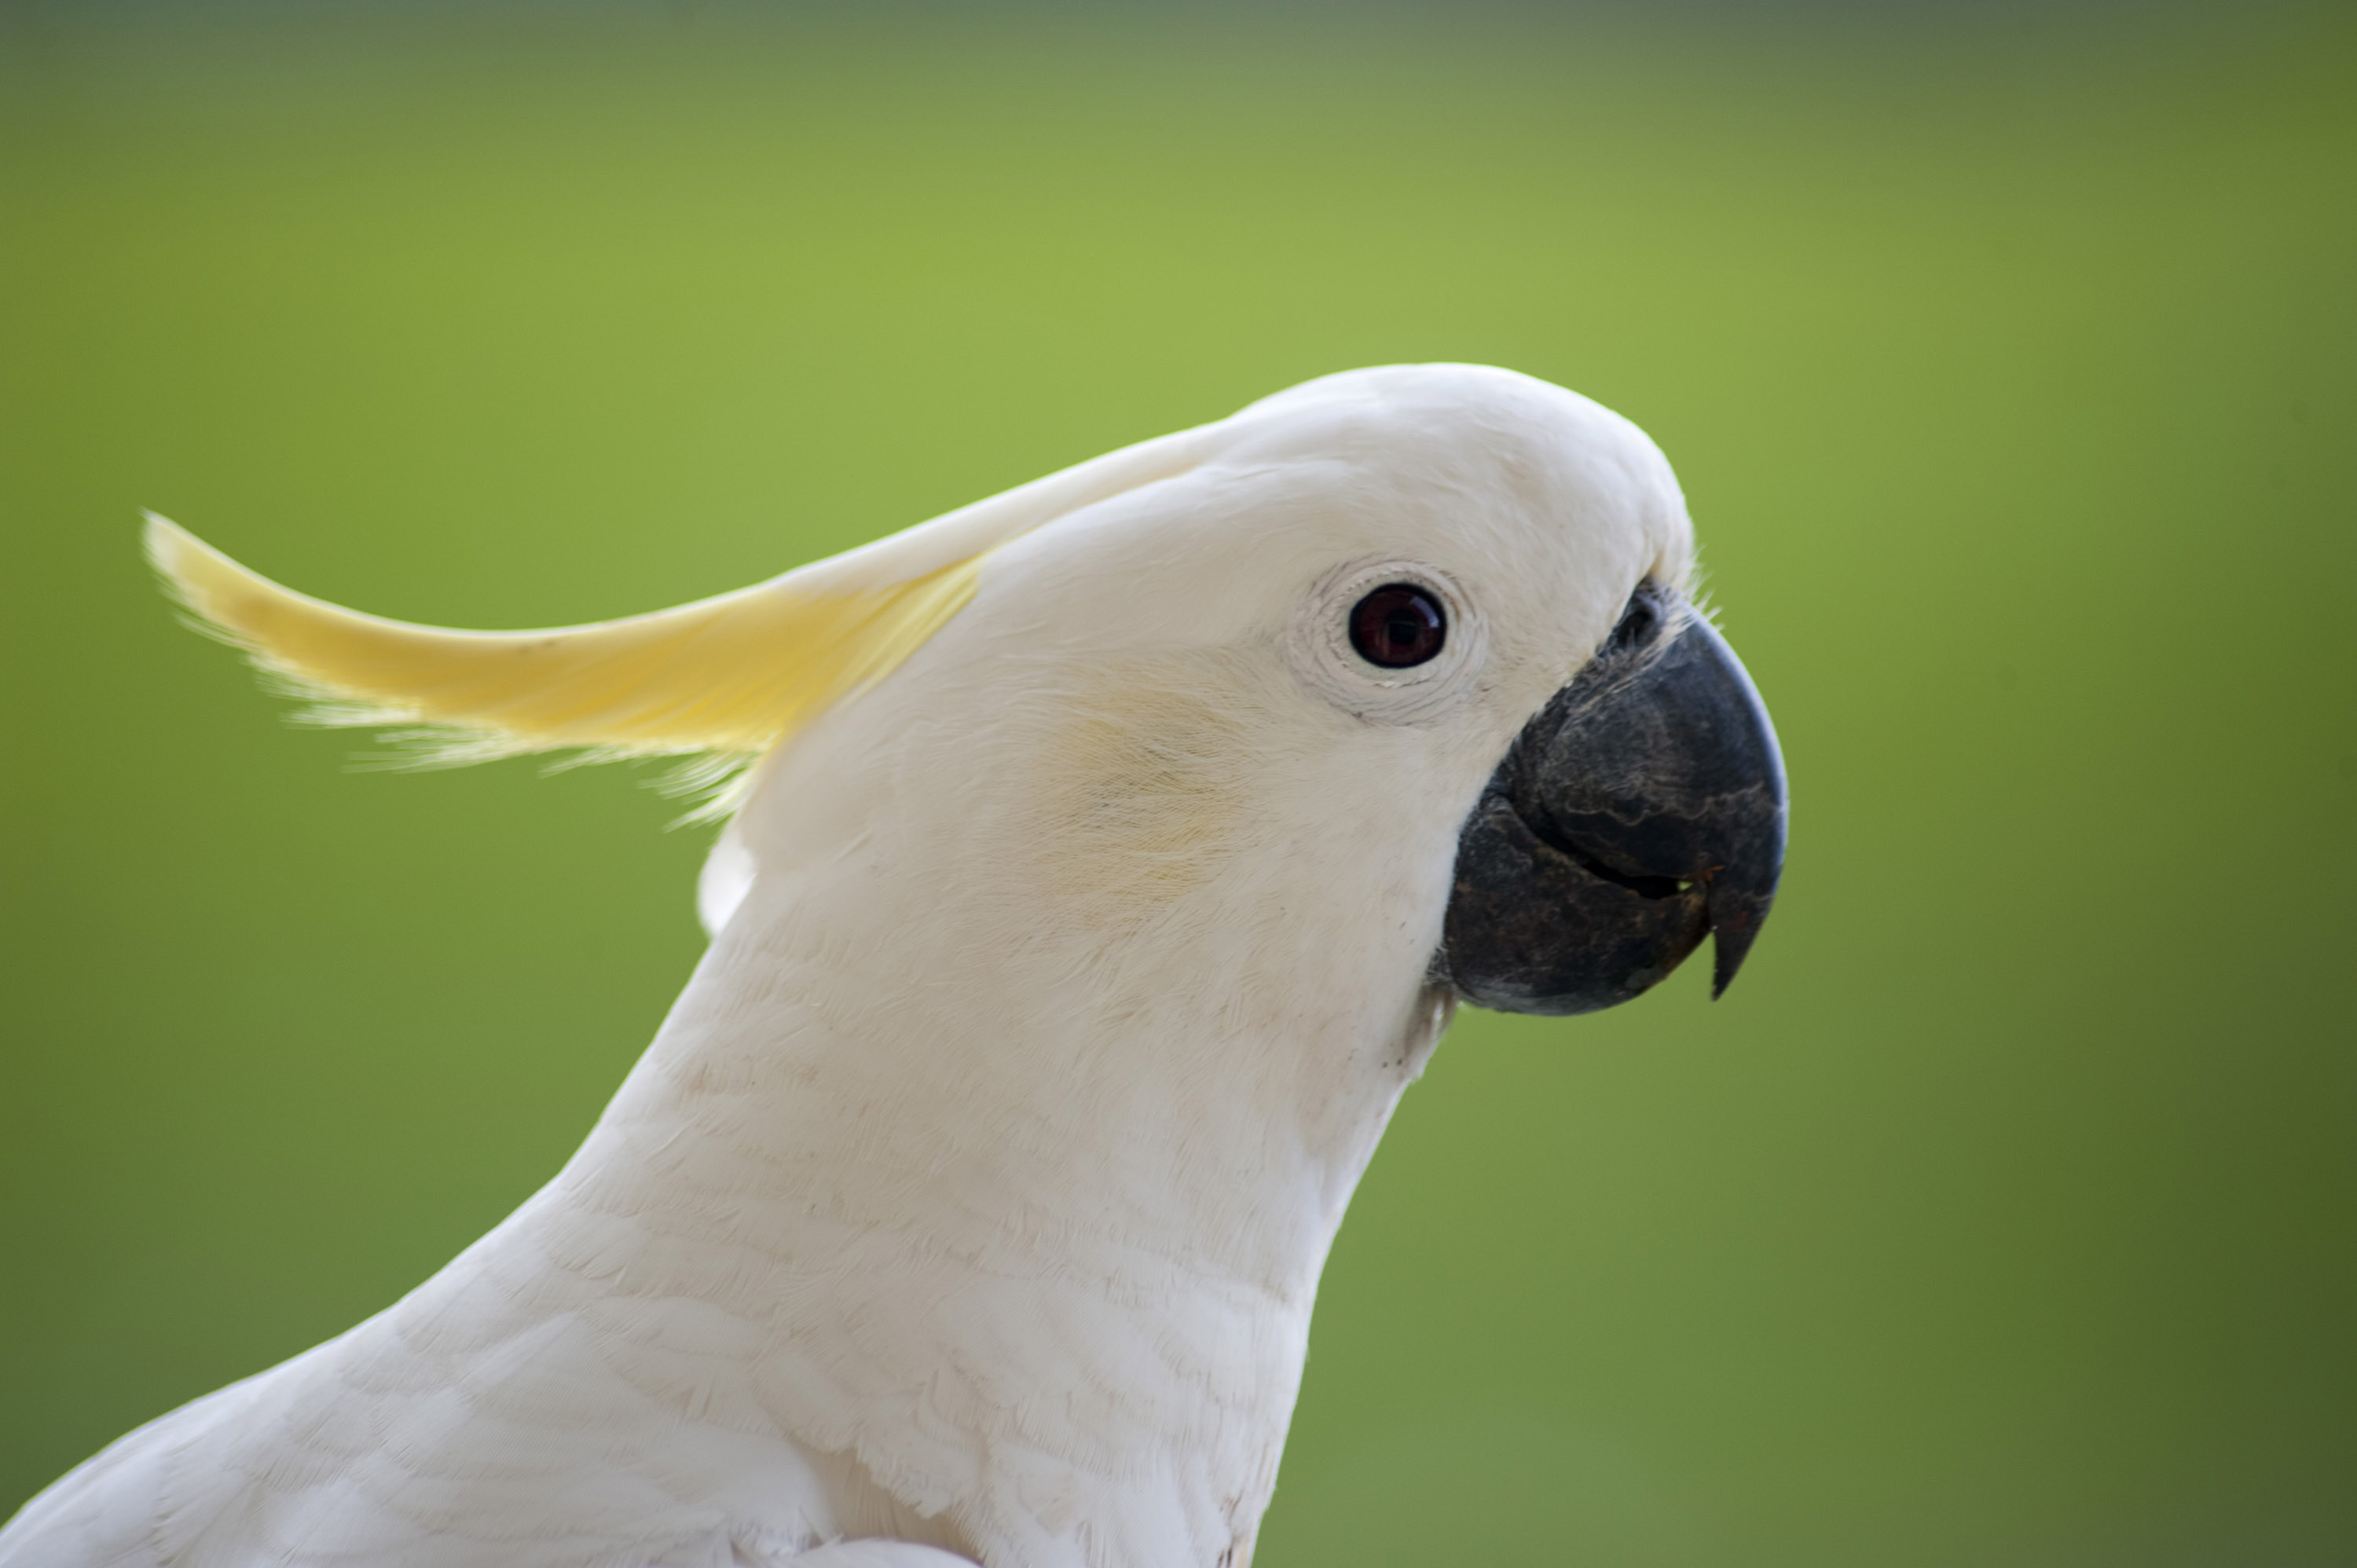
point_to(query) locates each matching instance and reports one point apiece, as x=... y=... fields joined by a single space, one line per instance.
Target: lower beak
x=1641 y=809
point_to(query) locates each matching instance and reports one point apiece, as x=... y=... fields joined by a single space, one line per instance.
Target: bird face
x=1401 y=651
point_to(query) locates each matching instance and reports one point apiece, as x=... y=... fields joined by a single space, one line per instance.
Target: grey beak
x=1641 y=811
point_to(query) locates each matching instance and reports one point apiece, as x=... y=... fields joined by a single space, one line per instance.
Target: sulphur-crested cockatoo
x=1115 y=852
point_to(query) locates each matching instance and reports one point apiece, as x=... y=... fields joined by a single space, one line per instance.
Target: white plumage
x=975 y=1191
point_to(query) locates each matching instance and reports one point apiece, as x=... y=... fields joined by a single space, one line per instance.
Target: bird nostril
x=1637 y=622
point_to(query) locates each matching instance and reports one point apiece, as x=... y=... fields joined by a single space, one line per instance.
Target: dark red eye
x=1398 y=625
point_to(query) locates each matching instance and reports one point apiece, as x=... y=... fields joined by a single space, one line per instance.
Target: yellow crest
x=736 y=674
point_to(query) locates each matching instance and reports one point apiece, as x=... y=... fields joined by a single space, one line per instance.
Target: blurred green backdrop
x=2005 y=1214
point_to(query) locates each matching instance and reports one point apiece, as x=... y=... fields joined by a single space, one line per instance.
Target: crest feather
x=734 y=675
x=737 y=673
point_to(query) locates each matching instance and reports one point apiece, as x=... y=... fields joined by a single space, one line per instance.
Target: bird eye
x=1397 y=625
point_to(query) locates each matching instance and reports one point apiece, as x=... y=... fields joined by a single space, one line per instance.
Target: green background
x=2003 y=1215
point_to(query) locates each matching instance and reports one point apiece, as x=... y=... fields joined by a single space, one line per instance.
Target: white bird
x=1116 y=850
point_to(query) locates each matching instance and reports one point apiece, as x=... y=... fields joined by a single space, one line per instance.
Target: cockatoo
x=1114 y=853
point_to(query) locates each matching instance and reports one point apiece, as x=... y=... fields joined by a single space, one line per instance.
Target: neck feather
x=1034 y=1241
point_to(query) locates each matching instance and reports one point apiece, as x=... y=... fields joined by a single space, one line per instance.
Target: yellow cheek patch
x=737 y=673
x=1139 y=796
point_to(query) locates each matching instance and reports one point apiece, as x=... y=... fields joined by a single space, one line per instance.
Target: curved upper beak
x=1641 y=809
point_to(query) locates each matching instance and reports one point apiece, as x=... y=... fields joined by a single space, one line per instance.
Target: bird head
x=1403 y=656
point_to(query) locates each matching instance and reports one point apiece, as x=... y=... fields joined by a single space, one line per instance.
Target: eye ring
x=1319 y=646
x=1398 y=627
